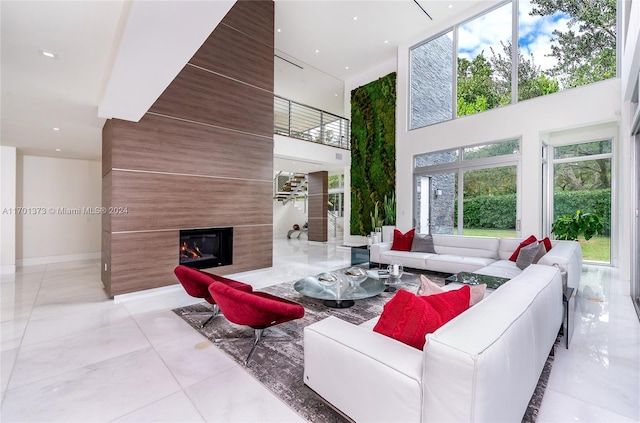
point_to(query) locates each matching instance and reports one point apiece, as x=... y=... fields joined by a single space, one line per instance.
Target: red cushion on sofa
x=408 y=318
x=402 y=242
x=449 y=306
x=547 y=244
x=524 y=243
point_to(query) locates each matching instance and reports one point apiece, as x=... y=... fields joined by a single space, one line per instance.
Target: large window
x=582 y=181
x=487 y=62
x=469 y=190
x=484 y=84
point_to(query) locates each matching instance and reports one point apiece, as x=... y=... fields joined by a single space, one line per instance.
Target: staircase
x=288 y=187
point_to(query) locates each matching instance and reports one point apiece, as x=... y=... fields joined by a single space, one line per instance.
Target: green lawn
x=596 y=249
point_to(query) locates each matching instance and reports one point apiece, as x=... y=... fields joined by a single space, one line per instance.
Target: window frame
x=460 y=166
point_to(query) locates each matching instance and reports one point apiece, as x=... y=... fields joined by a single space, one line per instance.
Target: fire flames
x=186 y=252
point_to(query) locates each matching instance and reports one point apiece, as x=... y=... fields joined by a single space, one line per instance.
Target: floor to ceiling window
x=469 y=190
x=582 y=181
x=512 y=52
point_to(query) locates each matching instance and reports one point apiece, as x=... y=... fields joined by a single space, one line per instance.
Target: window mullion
x=454 y=88
x=515 y=44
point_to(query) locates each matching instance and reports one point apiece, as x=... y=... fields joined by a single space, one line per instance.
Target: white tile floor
x=70 y=354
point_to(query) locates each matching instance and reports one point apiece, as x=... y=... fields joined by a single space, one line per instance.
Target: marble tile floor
x=70 y=354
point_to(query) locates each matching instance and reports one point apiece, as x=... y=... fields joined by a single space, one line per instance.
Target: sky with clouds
x=490 y=29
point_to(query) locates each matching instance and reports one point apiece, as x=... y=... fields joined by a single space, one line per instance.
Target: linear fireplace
x=203 y=248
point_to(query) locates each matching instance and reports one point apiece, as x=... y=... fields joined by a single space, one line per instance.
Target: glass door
x=435 y=203
x=582 y=181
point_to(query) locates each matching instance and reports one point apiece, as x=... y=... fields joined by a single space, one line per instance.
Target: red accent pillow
x=547 y=244
x=408 y=318
x=524 y=243
x=402 y=242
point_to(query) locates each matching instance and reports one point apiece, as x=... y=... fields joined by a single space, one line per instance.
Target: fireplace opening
x=204 y=248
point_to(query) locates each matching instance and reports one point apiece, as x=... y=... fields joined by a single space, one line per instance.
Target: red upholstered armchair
x=196 y=283
x=257 y=310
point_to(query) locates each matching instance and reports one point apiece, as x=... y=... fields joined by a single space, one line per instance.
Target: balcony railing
x=310 y=124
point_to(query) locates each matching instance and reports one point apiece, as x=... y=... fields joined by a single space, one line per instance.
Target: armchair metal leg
x=213 y=313
x=258 y=333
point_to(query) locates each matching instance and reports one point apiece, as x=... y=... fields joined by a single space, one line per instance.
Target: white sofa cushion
x=448 y=263
x=407 y=258
x=507 y=247
x=501 y=268
x=468 y=246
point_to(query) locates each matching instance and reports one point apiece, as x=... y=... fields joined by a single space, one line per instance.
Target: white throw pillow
x=428 y=287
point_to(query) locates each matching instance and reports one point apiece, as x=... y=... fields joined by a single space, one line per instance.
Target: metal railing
x=308 y=123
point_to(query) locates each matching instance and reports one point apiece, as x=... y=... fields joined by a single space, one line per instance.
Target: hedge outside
x=373 y=149
x=499 y=211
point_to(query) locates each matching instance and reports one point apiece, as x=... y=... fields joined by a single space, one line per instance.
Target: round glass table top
x=336 y=285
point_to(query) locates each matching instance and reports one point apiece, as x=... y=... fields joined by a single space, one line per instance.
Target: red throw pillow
x=449 y=306
x=402 y=242
x=524 y=243
x=547 y=244
x=408 y=318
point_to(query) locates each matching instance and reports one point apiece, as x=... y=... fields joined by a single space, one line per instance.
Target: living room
x=561 y=118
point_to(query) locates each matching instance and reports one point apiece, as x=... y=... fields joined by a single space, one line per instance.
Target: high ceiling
x=39 y=94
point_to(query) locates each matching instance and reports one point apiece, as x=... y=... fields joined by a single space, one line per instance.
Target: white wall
x=8 y=161
x=54 y=184
x=327 y=157
x=284 y=216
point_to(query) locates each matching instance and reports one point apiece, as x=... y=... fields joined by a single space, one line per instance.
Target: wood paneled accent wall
x=318 y=206
x=201 y=157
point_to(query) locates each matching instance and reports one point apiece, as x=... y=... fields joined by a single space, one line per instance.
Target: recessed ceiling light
x=49 y=54
x=336 y=94
x=317 y=51
x=346 y=67
x=386 y=41
x=355 y=18
x=56 y=129
x=58 y=149
x=279 y=30
x=450 y=6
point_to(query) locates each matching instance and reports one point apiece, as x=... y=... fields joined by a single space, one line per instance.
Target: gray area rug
x=278 y=361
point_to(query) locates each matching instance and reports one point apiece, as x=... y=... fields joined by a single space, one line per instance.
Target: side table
x=359 y=255
x=569 y=302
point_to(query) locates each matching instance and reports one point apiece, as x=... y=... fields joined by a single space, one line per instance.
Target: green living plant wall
x=373 y=149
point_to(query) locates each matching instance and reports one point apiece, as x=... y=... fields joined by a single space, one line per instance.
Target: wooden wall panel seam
x=193 y=175
x=211 y=125
x=259 y=41
x=228 y=77
x=205 y=97
x=257 y=225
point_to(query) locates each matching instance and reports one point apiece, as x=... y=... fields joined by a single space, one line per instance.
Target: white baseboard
x=58 y=259
x=134 y=296
x=7 y=269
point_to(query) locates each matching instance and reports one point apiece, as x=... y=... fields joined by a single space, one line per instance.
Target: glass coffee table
x=339 y=289
x=468 y=278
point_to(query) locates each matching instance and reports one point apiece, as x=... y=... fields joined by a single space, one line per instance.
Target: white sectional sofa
x=484 y=255
x=482 y=366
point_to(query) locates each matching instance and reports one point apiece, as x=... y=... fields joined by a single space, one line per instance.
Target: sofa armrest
x=567 y=255
x=350 y=365
x=376 y=250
